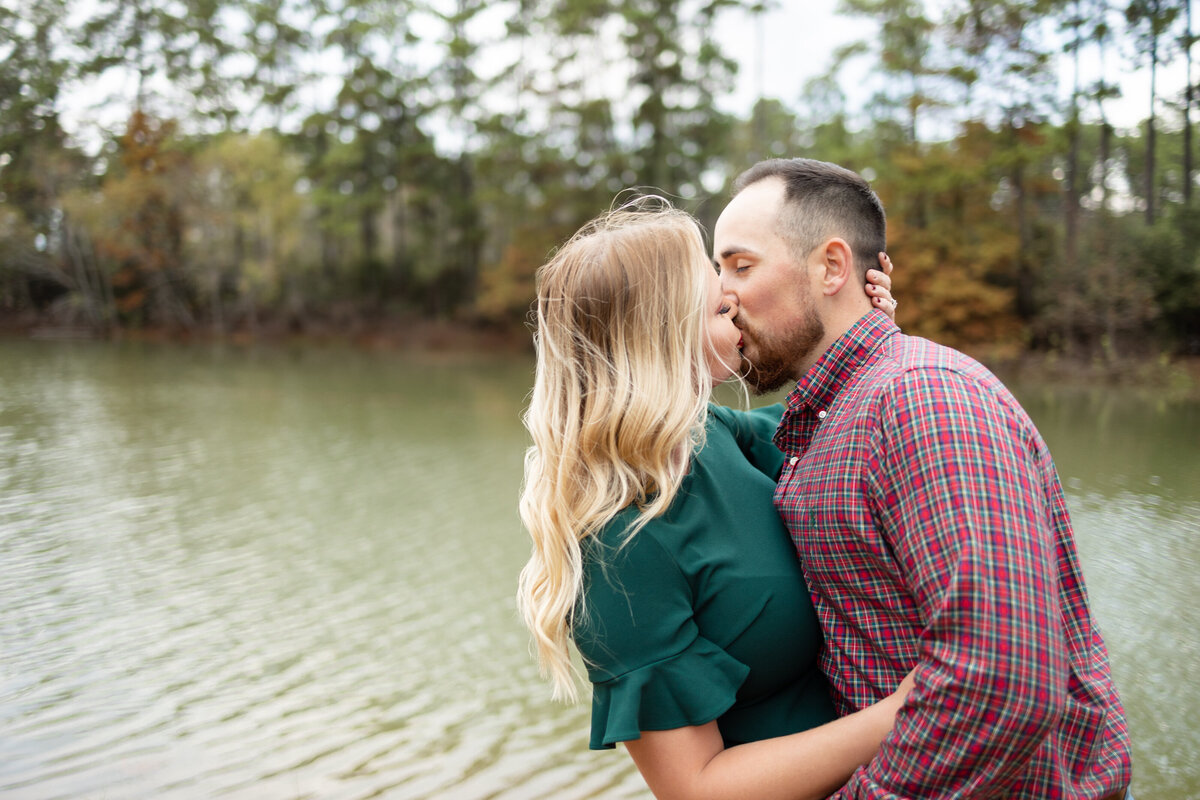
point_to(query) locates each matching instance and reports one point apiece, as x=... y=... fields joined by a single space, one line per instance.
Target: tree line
x=292 y=163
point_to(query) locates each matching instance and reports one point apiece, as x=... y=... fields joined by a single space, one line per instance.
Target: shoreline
x=436 y=336
x=1172 y=377
x=1177 y=376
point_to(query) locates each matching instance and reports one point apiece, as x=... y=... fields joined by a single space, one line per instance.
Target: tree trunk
x=1025 y=275
x=914 y=103
x=1106 y=132
x=1072 y=199
x=369 y=236
x=401 y=273
x=1187 y=111
x=88 y=293
x=1071 y=205
x=1150 y=136
x=218 y=317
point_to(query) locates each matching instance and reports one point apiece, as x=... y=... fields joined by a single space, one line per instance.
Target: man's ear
x=837 y=263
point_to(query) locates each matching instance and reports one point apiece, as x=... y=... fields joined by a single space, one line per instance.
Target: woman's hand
x=879 y=286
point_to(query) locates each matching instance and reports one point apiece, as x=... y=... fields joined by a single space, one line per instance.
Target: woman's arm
x=754 y=431
x=693 y=764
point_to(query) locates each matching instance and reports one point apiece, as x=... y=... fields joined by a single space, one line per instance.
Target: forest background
x=400 y=169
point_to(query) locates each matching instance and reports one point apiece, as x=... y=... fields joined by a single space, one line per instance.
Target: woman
x=657 y=547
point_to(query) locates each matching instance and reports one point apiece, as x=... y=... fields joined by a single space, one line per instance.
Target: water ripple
x=291 y=577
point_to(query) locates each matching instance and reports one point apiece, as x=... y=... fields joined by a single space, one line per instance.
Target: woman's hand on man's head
x=879 y=286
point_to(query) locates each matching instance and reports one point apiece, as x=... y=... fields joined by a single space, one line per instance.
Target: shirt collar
x=820 y=385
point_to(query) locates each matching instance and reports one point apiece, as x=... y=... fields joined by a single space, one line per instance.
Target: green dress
x=704 y=615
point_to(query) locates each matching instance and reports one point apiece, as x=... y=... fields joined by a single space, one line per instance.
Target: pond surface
x=289 y=574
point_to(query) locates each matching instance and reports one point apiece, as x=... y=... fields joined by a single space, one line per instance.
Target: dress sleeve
x=754 y=432
x=650 y=668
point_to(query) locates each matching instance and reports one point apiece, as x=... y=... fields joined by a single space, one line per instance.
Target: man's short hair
x=823 y=200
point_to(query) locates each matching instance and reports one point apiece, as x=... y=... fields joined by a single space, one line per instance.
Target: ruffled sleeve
x=649 y=666
x=691 y=688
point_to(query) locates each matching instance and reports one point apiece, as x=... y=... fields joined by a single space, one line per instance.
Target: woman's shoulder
x=723 y=416
x=617 y=537
x=656 y=554
x=754 y=421
x=742 y=440
x=723 y=425
x=632 y=584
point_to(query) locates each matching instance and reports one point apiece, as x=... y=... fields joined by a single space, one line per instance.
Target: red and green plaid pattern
x=934 y=533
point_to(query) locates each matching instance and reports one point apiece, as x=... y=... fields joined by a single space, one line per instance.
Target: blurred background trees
x=335 y=164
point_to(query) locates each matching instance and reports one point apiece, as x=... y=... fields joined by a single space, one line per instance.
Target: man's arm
x=960 y=500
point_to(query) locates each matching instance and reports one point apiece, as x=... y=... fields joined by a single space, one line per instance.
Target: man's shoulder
x=921 y=375
x=911 y=353
x=912 y=359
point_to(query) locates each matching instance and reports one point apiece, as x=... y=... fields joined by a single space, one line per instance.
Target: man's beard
x=778 y=357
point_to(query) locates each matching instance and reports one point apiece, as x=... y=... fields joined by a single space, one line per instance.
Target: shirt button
x=792 y=461
x=820 y=415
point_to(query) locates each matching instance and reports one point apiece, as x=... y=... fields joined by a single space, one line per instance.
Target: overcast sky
x=778 y=55
x=799 y=37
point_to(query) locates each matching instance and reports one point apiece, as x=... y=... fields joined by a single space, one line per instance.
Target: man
x=926 y=511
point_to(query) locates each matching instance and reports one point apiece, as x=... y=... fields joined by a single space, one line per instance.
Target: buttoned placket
x=821 y=415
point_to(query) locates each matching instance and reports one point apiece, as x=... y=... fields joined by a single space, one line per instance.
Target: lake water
x=289 y=574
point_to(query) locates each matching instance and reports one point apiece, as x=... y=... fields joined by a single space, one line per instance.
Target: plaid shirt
x=934 y=533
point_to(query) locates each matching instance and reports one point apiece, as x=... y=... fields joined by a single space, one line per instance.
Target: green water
x=288 y=574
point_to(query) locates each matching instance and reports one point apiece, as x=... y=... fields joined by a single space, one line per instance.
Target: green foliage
x=247 y=225
x=136 y=225
x=295 y=163
x=903 y=52
x=32 y=71
x=1172 y=252
x=1004 y=57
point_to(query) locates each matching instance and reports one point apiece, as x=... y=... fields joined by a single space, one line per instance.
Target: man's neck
x=836 y=326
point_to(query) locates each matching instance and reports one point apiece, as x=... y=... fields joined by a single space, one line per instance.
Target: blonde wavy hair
x=619 y=401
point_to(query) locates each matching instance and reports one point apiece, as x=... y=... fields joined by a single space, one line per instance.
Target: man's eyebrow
x=734 y=250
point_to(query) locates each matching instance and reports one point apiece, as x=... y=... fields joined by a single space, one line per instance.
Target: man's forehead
x=757 y=198
x=752 y=212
